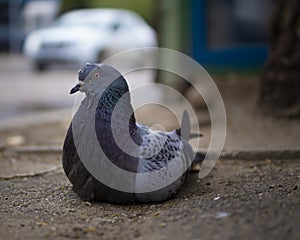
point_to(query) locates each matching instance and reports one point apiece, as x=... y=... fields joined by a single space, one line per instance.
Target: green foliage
x=68 y=5
x=143 y=7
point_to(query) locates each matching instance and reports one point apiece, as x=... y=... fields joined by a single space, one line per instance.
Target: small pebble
x=157 y=213
x=162 y=225
x=15 y=140
x=89 y=229
x=41 y=223
x=87 y=203
x=221 y=215
x=196 y=168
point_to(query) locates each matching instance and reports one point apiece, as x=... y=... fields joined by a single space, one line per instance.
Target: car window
x=113 y=20
x=84 y=18
x=131 y=20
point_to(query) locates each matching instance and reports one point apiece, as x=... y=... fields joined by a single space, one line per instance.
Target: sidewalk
x=240 y=199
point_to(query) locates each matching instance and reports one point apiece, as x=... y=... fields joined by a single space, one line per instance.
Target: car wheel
x=40 y=66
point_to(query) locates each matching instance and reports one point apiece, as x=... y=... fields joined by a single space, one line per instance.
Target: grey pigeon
x=107 y=106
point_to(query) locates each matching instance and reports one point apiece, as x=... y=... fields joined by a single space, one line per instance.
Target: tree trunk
x=280 y=84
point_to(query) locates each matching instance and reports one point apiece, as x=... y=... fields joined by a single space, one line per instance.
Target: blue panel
x=233 y=56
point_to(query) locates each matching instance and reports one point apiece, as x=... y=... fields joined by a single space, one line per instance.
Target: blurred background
x=248 y=47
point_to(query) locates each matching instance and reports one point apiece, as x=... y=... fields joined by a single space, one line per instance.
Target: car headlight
x=32 y=45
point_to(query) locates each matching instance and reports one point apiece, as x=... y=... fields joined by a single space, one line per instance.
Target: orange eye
x=97 y=75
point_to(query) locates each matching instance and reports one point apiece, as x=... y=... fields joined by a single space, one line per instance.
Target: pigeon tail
x=185 y=125
x=185 y=130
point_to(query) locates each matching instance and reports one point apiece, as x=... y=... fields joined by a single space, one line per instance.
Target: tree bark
x=280 y=84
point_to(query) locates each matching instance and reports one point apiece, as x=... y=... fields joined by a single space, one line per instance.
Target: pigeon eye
x=97 y=75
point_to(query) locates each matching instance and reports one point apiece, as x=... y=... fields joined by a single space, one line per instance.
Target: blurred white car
x=89 y=35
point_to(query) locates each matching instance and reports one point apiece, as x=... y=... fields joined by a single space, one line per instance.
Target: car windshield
x=85 y=18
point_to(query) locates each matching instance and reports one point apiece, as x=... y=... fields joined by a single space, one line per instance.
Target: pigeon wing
x=163 y=148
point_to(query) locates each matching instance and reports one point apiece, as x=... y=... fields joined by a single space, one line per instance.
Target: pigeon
x=105 y=120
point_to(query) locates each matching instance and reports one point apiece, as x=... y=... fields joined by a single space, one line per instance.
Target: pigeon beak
x=76 y=88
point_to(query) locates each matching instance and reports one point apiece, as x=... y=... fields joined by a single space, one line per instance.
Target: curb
x=243 y=154
x=252 y=154
x=36 y=119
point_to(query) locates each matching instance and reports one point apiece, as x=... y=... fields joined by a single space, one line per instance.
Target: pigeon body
x=116 y=129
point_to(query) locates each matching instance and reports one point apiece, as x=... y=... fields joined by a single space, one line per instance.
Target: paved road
x=238 y=200
x=25 y=91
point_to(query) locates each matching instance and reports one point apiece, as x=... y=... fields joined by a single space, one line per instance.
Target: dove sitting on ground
x=105 y=120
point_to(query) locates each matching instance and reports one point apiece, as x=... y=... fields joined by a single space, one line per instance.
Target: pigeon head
x=83 y=74
x=95 y=78
x=85 y=71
